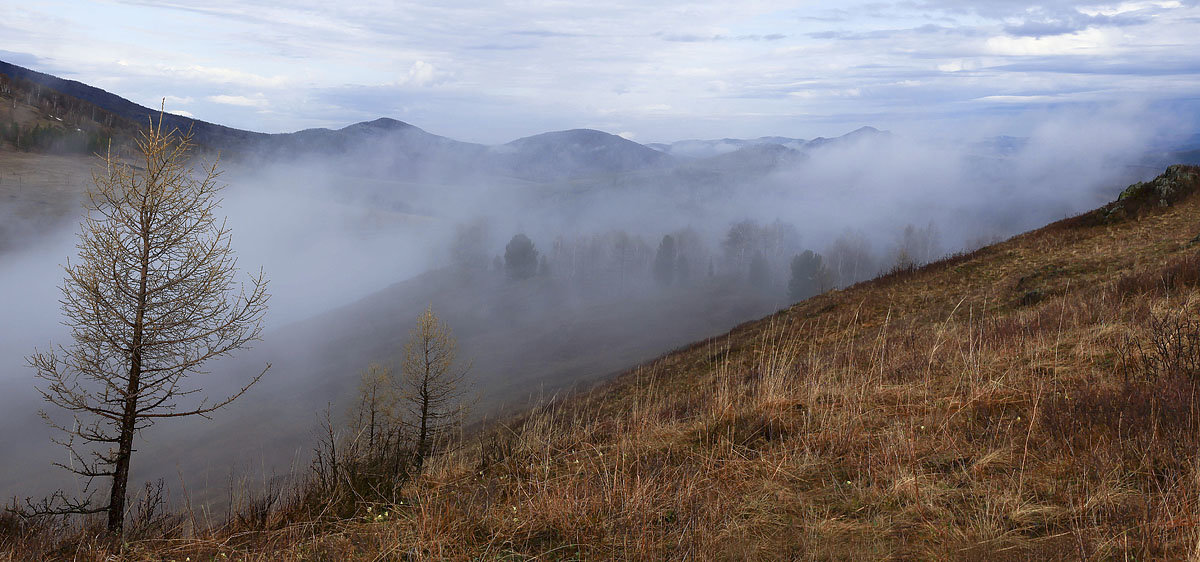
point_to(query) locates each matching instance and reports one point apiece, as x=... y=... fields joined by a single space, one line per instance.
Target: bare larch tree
x=151 y=298
x=432 y=389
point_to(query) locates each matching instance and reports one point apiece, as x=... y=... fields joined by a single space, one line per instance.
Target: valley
x=873 y=345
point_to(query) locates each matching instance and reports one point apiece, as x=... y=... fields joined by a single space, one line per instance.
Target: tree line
x=768 y=258
x=54 y=139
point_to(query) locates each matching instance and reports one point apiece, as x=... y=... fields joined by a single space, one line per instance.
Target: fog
x=356 y=241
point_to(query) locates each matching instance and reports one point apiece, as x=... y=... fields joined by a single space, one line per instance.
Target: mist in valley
x=357 y=241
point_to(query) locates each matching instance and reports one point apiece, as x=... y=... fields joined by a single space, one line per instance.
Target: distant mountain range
x=415 y=153
x=695 y=148
x=405 y=152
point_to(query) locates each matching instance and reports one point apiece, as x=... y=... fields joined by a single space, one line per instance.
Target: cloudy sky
x=650 y=70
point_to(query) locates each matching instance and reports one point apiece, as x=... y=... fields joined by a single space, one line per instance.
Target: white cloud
x=826 y=93
x=958 y=65
x=420 y=74
x=1092 y=41
x=181 y=112
x=226 y=75
x=529 y=67
x=1126 y=7
x=1015 y=99
x=259 y=100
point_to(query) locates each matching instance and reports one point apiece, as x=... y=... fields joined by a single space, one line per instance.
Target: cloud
x=420 y=74
x=958 y=65
x=203 y=73
x=1089 y=41
x=879 y=34
x=258 y=100
x=1183 y=65
x=1016 y=99
x=697 y=38
x=562 y=65
x=544 y=33
x=1068 y=22
x=1042 y=28
x=502 y=47
x=22 y=59
x=1126 y=7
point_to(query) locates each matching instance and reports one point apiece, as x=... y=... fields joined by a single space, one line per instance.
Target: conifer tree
x=151 y=298
x=520 y=258
x=432 y=389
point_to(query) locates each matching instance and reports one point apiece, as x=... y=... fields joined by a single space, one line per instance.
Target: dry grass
x=936 y=414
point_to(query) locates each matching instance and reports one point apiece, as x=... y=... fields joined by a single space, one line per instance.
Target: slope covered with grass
x=1036 y=398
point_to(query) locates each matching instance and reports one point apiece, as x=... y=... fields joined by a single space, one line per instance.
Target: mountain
x=710 y=148
x=383 y=147
x=1002 y=145
x=234 y=142
x=754 y=158
x=397 y=150
x=400 y=148
x=858 y=135
x=205 y=133
x=576 y=153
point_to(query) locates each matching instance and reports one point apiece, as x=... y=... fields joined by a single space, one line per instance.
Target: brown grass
x=936 y=414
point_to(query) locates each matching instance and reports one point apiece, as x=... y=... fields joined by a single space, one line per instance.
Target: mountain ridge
x=708 y=148
x=606 y=149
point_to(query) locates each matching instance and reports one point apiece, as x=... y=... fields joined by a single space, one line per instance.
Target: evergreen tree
x=664 y=261
x=520 y=258
x=432 y=389
x=152 y=298
x=808 y=276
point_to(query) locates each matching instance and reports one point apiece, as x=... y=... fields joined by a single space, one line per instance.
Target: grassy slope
x=987 y=406
x=935 y=414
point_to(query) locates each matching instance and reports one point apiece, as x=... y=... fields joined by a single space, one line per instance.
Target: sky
x=651 y=71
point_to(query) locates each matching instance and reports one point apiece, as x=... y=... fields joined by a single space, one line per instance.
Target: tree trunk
x=422 y=443
x=116 y=503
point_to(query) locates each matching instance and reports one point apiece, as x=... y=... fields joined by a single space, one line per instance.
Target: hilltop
x=1034 y=398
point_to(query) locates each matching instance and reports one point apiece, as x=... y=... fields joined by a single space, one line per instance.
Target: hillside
x=124 y=112
x=1033 y=399
x=524 y=341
